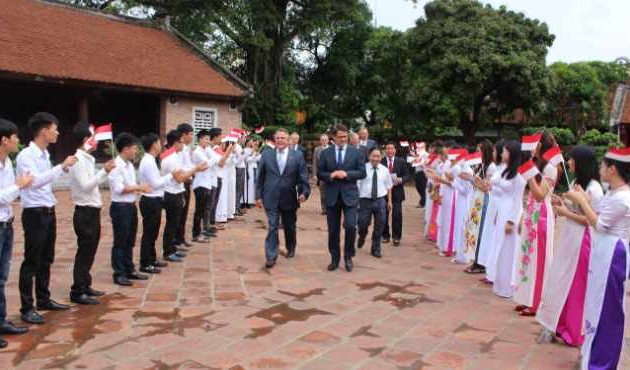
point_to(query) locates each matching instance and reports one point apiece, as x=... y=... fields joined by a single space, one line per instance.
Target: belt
x=88 y=207
x=6 y=224
x=49 y=210
x=379 y=198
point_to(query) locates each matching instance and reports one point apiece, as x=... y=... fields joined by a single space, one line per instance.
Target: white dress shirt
x=149 y=173
x=205 y=178
x=221 y=171
x=384 y=181
x=239 y=156
x=281 y=158
x=84 y=181
x=185 y=157
x=35 y=161
x=214 y=170
x=173 y=163
x=120 y=177
x=9 y=191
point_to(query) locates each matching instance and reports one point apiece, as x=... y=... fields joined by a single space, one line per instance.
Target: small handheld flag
x=529 y=142
x=232 y=137
x=554 y=156
x=474 y=159
x=167 y=153
x=104 y=132
x=259 y=130
x=528 y=170
x=239 y=131
x=432 y=159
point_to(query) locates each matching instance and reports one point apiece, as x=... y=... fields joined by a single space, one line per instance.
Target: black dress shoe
x=136 y=276
x=160 y=264
x=385 y=240
x=333 y=266
x=181 y=254
x=360 y=242
x=121 y=280
x=349 y=264
x=376 y=254
x=33 y=317
x=3 y=343
x=270 y=264
x=150 y=269
x=396 y=243
x=83 y=299
x=290 y=254
x=173 y=258
x=94 y=293
x=52 y=306
x=7 y=327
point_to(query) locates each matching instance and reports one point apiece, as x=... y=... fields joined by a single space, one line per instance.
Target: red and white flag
x=104 y=132
x=474 y=159
x=529 y=142
x=90 y=144
x=259 y=130
x=528 y=170
x=554 y=156
x=619 y=154
x=167 y=153
x=404 y=143
x=231 y=137
x=457 y=154
x=239 y=131
x=432 y=159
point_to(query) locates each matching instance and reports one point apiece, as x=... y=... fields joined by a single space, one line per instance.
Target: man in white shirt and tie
x=124 y=190
x=84 y=192
x=375 y=199
x=9 y=191
x=38 y=216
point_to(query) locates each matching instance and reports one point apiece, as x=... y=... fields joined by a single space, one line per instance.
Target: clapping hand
x=24 y=181
x=109 y=166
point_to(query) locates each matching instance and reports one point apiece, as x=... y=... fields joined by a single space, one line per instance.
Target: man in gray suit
x=323 y=145
x=282 y=185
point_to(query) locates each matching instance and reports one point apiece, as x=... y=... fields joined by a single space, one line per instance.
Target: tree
x=473 y=57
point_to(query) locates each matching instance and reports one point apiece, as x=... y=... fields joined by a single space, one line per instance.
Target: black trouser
x=125 y=224
x=180 y=232
x=289 y=218
x=333 y=218
x=87 y=227
x=209 y=216
x=240 y=187
x=173 y=205
x=367 y=209
x=40 y=232
x=151 y=211
x=421 y=187
x=202 y=195
x=396 y=221
x=215 y=201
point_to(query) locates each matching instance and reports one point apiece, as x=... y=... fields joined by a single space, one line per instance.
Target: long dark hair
x=514 y=148
x=623 y=169
x=486 y=155
x=585 y=165
x=498 y=146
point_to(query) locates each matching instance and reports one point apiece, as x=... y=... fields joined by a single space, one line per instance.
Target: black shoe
x=83 y=299
x=160 y=264
x=396 y=243
x=333 y=266
x=150 y=269
x=33 y=317
x=349 y=264
x=173 y=258
x=290 y=254
x=385 y=240
x=8 y=328
x=3 y=343
x=270 y=264
x=136 y=276
x=52 y=306
x=94 y=293
x=181 y=254
x=121 y=280
x=361 y=242
x=376 y=254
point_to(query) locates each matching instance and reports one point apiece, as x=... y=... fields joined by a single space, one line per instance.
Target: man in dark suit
x=282 y=185
x=365 y=141
x=397 y=167
x=341 y=166
x=294 y=144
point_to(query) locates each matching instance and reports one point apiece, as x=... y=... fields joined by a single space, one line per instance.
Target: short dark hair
x=391 y=143
x=41 y=120
x=184 y=128
x=202 y=133
x=377 y=149
x=7 y=129
x=623 y=169
x=125 y=140
x=172 y=137
x=340 y=127
x=148 y=140
x=81 y=131
x=214 y=132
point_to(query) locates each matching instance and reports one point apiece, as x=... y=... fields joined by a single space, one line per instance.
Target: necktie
x=391 y=165
x=339 y=157
x=375 y=184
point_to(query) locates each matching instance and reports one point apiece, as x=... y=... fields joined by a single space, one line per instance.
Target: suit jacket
x=281 y=190
x=401 y=170
x=301 y=149
x=347 y=189
x=317 y=152
x=365 y=151
x=371 y=144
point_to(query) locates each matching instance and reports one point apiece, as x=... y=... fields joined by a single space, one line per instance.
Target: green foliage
x=596 y=138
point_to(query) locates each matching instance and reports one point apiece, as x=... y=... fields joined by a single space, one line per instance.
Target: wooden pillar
x=83 y=112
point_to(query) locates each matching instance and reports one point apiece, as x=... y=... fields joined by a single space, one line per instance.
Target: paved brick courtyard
x=222 y=310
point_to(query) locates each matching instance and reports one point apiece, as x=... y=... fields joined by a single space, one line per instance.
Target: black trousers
x=215 y=201
x=124 y=218
x=173 y=205
x=421 y=187
x=241 y=177
x=289 y=218
x=202 y=195
x=396 y=218
x=151 y=211
x=367 y=209
x=87 y=227
x=333 y=219
x=209 y=216
x=40 y=232
x=180 y=232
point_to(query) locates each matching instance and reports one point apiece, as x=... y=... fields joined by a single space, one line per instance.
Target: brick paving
x=222 y=310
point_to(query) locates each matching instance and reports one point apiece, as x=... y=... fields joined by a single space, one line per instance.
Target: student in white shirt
x=84 y=192
x=186 y=157
x=213 y=203
x=38 y=217
x=203 y=184
x=241 y=174
x=375 y=198
x=174 y=194
x=151 y=203
x=9 y=191
x=124 y=190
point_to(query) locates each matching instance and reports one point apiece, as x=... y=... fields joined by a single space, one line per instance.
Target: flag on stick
x=474 y=159
x=529 y=142
x=528 y=170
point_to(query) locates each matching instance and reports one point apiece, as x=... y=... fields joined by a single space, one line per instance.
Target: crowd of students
x=562 y=258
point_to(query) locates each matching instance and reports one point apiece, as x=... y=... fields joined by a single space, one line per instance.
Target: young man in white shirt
x=375 y=198
x=186 y=158
x=174 y=194
x=84 y=192
x=124 y=190
x=9 y=191
x=223 y=156
x=38 y=217
x=241 y=174
x=151 y=203
x=203 y=185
